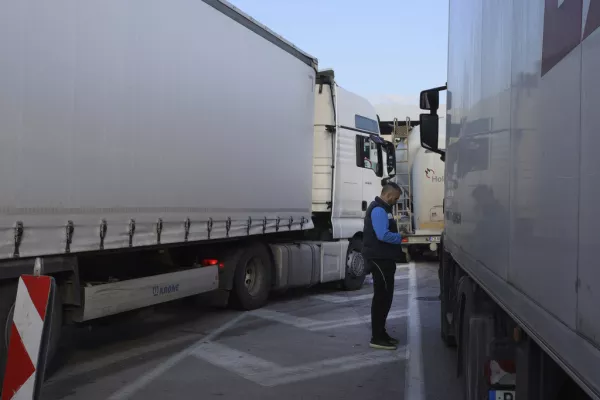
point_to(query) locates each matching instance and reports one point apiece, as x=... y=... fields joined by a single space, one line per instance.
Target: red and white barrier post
x=29 y=338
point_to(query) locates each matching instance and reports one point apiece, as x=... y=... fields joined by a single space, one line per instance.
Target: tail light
x=209 y=262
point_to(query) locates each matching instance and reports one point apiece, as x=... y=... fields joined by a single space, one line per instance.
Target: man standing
x=381 y=249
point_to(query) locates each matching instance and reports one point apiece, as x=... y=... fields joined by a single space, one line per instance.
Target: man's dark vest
x=373 y=247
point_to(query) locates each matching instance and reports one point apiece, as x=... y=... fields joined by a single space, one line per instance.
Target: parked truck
x=151 y=151
x=420 y=175
x=519 y=275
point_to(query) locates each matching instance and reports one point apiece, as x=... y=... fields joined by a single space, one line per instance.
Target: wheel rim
x=356 y=264
x=253 y=276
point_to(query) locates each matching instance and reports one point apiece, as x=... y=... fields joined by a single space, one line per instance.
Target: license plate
x=501 y=395
x=434 y=239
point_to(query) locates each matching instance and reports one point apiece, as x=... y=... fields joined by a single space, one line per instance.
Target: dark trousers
x=383 y=293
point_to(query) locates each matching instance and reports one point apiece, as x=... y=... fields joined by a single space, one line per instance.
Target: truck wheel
x=407 y=257
x=252 y=278
x=415 y=253
x=445 y=328
x=8 y=292
x=478 y=339
x=355 y=267
x=55 y=330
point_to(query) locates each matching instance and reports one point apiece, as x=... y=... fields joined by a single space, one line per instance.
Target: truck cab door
x=358 y=179
x=373 y=165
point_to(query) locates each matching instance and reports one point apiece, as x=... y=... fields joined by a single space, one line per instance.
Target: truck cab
x=351 y=162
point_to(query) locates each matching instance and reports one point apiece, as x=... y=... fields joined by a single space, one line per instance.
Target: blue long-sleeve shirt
x=379 y=219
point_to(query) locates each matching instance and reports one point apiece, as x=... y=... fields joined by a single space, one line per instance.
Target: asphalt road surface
x=308 y=344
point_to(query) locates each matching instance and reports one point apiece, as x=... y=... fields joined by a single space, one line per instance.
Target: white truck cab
x=346 y=180
x=350 y=163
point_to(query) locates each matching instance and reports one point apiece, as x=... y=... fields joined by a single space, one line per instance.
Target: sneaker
x=392 y=340
x=382 y=345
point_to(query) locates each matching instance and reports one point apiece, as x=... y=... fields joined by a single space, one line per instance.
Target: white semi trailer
x=154 y=150
x=420 y=174
x=519 y=274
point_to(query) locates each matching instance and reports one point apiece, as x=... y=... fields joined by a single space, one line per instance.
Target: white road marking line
x=241 y=363
x=324 y=368
x=414 y=385
x=96 y=364
x=267 y=373
x=316 y=325
x=358 y=321
x=369 y=280
x=347 y=299
x=284 y=318
x=129 y=390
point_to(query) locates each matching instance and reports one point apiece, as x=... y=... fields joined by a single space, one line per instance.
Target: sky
x=385 y=50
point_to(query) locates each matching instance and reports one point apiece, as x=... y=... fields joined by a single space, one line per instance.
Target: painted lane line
x=103 y=362
x=143 y=381
x=316 y=325
x=414 y=385
x=284 y=318
x=267 y=373
x=243 y=364
x=324 y=368
x=347 y=299
x=358 y=321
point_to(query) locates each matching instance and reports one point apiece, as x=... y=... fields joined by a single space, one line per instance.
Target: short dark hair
x=390 y=187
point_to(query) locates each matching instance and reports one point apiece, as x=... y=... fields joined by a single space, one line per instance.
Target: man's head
x=390 y=193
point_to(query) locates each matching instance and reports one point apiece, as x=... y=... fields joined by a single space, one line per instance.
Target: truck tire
x=445 y=328
x=480 y=335
x=55 y=331
x=252 y=278
x=355 y=267
x=412 y=253
x=407 y=258
x=8 y=292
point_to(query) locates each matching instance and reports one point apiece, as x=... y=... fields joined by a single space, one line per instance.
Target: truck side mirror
x=430 y=100
x=391 y=159
x=429 y=124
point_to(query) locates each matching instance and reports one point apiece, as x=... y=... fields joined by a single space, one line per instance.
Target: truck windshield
x=366 y=124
